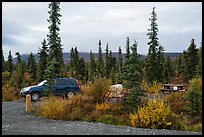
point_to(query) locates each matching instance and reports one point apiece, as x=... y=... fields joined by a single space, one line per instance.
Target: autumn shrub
x=98 y=88
x=177 y=101
x=154 y=88
x=53 y=108
x=103 y=106
x=10 y=93
x=154 y=115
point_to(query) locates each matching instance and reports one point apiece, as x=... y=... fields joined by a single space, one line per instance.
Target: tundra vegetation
x=139 y=77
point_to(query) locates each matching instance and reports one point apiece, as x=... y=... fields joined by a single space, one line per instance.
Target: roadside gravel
x=16 y=121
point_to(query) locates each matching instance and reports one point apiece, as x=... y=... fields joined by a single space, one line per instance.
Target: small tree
x=132 y=79
x=50 y=76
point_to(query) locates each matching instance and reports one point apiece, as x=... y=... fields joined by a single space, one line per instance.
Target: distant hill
x=85 y=55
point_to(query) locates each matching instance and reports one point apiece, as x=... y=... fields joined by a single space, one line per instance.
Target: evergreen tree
x=82 y=69
x=127 y=55
x=32 y=67
x=3 y=62
x=152 y=62
x=10 y=63
x=76 y=61
x=50 y=76
x=54 y=40
x=190 y=60
x=43 y=60
x=120 y=66
x=167 y=70
x=107 y=62
x=92 y=67
x=100 y=63
x=161 y=65
x=20 y=70
x=72 y=57
x=132 y=79
x=199 y=65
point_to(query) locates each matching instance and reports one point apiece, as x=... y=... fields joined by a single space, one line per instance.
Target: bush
x=154 y=88
x=154 y=115
x=98 y=89
x=177 y=102
x=10 y=93
x=53 y=108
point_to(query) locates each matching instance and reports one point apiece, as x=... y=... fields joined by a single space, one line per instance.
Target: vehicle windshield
x=42 y=83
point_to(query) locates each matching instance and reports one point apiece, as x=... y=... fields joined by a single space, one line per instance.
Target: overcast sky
x=83 y=24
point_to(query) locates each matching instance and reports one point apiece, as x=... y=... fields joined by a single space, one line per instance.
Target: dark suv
x=63 y=87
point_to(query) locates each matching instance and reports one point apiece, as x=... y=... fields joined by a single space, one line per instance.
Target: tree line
x=130 y=70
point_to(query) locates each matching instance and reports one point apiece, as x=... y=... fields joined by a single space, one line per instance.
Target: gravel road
x=16 y=121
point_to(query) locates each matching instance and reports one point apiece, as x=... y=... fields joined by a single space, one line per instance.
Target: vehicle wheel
x=35 y=96
x=69 y=94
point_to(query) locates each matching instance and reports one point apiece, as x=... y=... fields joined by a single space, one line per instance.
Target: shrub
x=98 y=89
x=102 y=107
x=154 y=115
x=10 y=93
x=53 y=108
x=154 y=88
x=177 y=101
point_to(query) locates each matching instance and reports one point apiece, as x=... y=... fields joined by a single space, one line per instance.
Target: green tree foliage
x=3 y=62
x=127 y=55
x=199 y=65
x=54 y=40
x=100 y=62
x=92 y=67
x=82 y=70
x=120 y=66
x=50 y=75
x=154 y=66
x=107 y=62
x=20 y=69
x=194 y=96
x=132 y=79
x=168 y=72
x=10 y=63
x=190 y=61
x=43 y=59
x=32 y=67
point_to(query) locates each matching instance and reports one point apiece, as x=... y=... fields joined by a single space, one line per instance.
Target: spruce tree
x=100 y=63
x=10 y=63
x=50 y=76
x=190 y=61
x=199 y=65
x=127 y=54
x=82 y=70
x=92 y=67
x=120 y=67
x=107 y=62
x=153 y=63
x=32 y=67
x=54 y=40
x=20 y=70
x=43 y=60
x=160 y=64
x=3 y=62
x=132 y=80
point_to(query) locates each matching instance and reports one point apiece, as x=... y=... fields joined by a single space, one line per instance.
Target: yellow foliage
x=53 y=108
x=151 y=116
x=155 y=88
x=102 y=107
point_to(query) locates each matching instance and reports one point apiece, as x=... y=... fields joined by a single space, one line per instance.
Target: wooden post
x=28 y=103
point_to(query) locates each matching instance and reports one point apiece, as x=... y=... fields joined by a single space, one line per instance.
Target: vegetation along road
x=16 y=121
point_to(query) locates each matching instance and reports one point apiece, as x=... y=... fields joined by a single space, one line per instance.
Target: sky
x=83 y=24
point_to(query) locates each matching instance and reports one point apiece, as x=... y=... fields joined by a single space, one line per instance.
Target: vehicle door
x=60 y=87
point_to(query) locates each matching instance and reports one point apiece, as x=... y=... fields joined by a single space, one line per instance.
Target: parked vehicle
x=63 y=87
